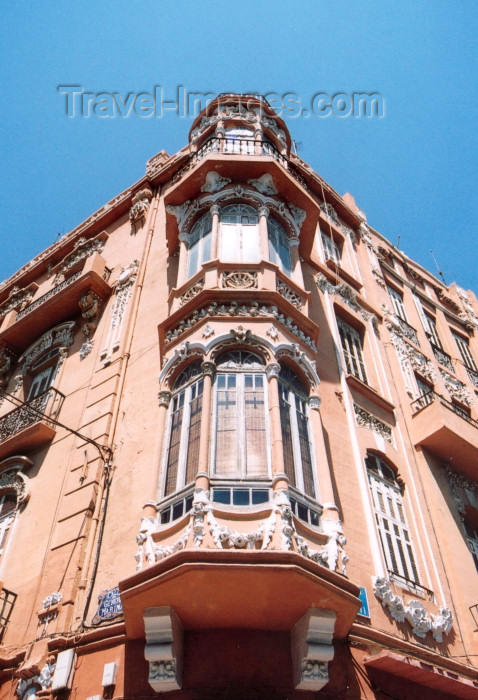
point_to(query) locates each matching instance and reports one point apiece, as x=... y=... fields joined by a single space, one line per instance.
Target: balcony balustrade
x=442 y=357
x=473 y=375
x=407 y=330
x=30 y=425
x=446 y=430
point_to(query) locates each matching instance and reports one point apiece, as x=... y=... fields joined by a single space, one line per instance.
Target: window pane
x=229 y=242
x=222 y=496
x=255 y=428
x=259 y=496
x=195 y=411
x=173 y=452
x=305 y=452
x=288 y=449
x=240 y=497
x=250 y=243
x=226 y=432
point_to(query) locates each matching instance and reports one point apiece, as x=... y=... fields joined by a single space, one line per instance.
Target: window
x=199 y=250
x=352 y=349
x=240 y=496
x=279 y=248
x=241 y=444
x=184 y=430
x=390 y=517
x=465 y=353
x=239 y=141
x=431 y=330
x=397 y=303
x=331 y=249
x=425 y=393
x=42 y=373
x=295 y=432
x=8 y=506
x=239 y=234
x=472 y=538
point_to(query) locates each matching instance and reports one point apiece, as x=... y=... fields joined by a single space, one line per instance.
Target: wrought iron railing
x=41 y=300
x=431 y=396
x=240 y=146
x=443 y=358
x=7 y=601
x=473 y=375
x=45 y=406
x=414 y=586
x=407 y=330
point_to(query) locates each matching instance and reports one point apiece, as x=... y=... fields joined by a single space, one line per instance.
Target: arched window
x=391 y=520
x=185 y=427
x=239 y=234
x=295 y=432
x=241 y=445
x=199 y=250
x=279 y=247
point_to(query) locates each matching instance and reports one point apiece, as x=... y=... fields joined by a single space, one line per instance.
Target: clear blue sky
x=413 y=172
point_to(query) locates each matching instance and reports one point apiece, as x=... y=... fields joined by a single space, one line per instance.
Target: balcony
x=473 y=376
x=408 y=331
x=60 y=303
x=447 y=431
x=442 y=357
x=29 y=426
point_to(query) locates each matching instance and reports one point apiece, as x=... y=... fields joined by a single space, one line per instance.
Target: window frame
x=330 y=248
x=351 y=343
x=398 y=306
x=276 y=236
x=238 y=231
x=202 y=230
x=465 y=352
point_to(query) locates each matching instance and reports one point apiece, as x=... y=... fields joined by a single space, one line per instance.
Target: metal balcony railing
x=443 y=358
x=473 y=375
x=240 y=146
x=407 y=330
x=431 y=396
x=41 y=300
x=43 y=407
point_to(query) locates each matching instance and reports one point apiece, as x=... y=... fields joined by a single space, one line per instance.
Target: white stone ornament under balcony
x=164 y=648
x=264 y=184
x=414 y=612
x=312 y=649
x=215 y=182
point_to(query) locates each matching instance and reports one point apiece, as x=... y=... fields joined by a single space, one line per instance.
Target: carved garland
x=347 y=294
x=365 y=419
x=414 y=613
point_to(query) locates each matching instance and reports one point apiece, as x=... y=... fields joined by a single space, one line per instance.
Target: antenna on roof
x=438 y=267
x=398 y=242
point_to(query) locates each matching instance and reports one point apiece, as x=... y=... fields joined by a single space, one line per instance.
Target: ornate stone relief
x=18 y=299
x=462 y=489
x=215 y=182
x=140 y=205
x=330 y=212
x=192 y=292
x=83 y=248
x=15 y=481
x=414 y=612
x=155 y=164
x=123 y=291
x=273 y=333
x=251 y=309
x=456 y=389
x=90 y=308
x=289 y=294
x=331 y=554
x=7 y=358
x=468 y=314
x=312 y=649
x=414 y=274
x=265 y=184
x=208 y=331
x=164 y=648
x=43 y=679
x=365 y=419
x=239 y=280
x=347 y=294
x=61 y=335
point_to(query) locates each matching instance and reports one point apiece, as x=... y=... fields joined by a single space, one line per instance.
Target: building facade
x=238 y=443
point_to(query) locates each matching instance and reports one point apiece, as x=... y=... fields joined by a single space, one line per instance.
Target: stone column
x=279 y=479
x=202 y=476
x=295 y=261
x=214 y=211
x=325 y=481
x=149 y=508
x=183 y=258
x=263 y=235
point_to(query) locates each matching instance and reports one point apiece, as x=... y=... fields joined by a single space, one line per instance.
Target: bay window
x=352 y=350
x=295 y=432
x=241 y=443
x=279 y=247
x=239 y=234
x=199 y=249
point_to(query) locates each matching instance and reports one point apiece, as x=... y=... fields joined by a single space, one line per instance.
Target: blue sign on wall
x=109 y=606
x=364 y=610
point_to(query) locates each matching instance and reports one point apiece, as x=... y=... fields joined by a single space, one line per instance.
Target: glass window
x=352 y=349
x=239 y=141
x=296 y=443
x=391 y=520
x=8 y=506
x=184 y=429
x=465 y=352
x=199 y=250
x=431 y=330
x=425 y=393
x=472 y=538
x=331 y=249
x=241 y=444
x=397 y=303
x=239 y=234
x=279 y=247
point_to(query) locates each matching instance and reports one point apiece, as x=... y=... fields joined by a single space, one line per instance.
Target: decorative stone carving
x=298 y=214
x=140 y=205
x=273 y=333
x=214 y=182
x=89 y=305
x=41 y=300
x=164 y=648
x=61 y=335
x=314 y=401
x=224 y=537
x=456 y=389
x=251 y=309
x=123 y=291
x=18 y=299
x=82 y=249
x=240 y=334
x=43 y=679
x=180 y=211
x=164 y=398
x=272 y=370
x=15 y=481
x=365 y=419
x=468 y=314
x=462 y=489
x=7 y=357
x=414 y=274
x=239 y=280
x=209 y=369
x=414 y=613
x=265 y=184
x=312 y=649
x=52 y=599
x=347 y=294
x=208 y=331
x=288 y=293
x=155 y=164
x=192 y=292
